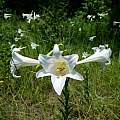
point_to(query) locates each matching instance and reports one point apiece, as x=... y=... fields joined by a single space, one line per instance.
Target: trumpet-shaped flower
x=19 y=31
x=28 y=16
x=102 y=14
x=35 y=16
x=58 y=67
x=31 y=16
x=17 y=39
x=115 y=22
x=90 y=17
x=102 y=54
x=18 y=61
x=6 y=16
x=92 y=38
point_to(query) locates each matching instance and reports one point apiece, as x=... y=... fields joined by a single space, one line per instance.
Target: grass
x=28 y=98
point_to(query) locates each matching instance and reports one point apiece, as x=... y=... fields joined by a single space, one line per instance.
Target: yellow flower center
x=61 y=67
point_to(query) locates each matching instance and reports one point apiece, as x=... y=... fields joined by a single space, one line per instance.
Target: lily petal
x=13 y=69
x=45 y=60
x=23 y=61
x=15 y=76
x=75 y=75
x=42 y=73
x=99 y=56
x=72 y=59
x=58 y=83
x=18 y=61
x=56 y=51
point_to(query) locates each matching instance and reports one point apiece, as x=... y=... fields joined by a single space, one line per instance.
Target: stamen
x=61 y=67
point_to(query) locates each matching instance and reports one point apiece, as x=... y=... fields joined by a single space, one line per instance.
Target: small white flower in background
x=91 y=17
x=62 y=26
x=80 y=29
x=102 y=15
x=102 y=55
x=58 y=67
x=6 y=16
x=20 y=32
x=31 y=16
x=18 y=61
x=72 y=23
x=91 y=38
x=17 y=39
x=35 y=16
x=115 y=23
x=85 y=55
x=1 y=81
x=34 y=45
x=28 y=17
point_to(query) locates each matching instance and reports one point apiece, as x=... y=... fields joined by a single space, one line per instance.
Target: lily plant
x=57 y=66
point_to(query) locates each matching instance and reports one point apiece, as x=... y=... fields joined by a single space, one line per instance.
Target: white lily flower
x=18 y=61
x=19 y=31
x=22 y=34
x=24 y=15
x=102 y=14
x=91 y=17
x=34 y=45
x=115 y=22
x=102 y=55
x=58 y=67
x=35 y=16
x=17 y=39
x=91 y=38
x=28 y=16
x=6 y=16
x=80 y=29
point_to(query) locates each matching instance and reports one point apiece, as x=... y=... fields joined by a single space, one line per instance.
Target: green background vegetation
x=28 y=98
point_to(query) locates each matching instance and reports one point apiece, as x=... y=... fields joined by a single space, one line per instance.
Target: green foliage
x=2 y=7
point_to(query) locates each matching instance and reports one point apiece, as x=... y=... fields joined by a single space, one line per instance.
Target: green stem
x=66 y=97
x=65 y=109
x=87 y=85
